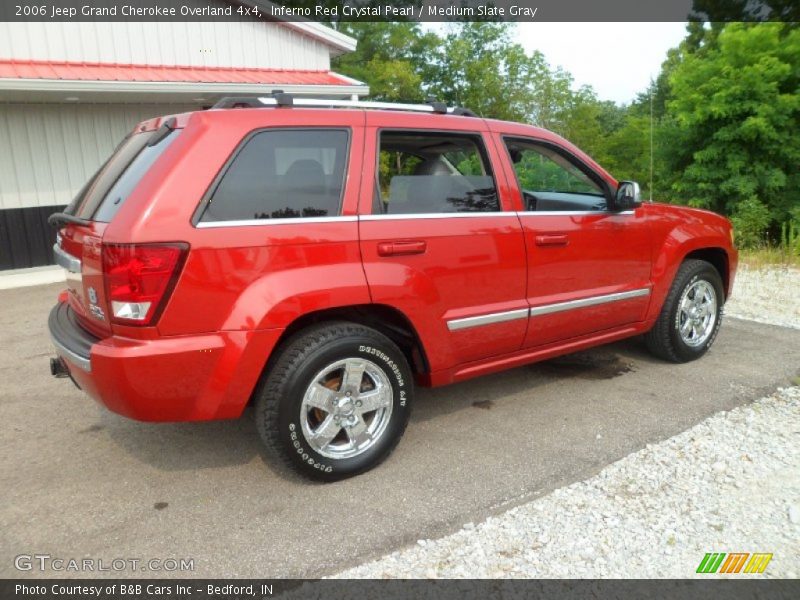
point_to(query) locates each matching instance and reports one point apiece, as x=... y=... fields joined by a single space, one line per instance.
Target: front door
x=438 y=241
x=588 y=266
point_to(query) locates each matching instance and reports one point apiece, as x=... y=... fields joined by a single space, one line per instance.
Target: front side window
x=549 y=181
x=281 y=174
x=421 y=172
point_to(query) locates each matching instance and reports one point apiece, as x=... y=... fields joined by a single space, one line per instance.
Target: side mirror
x=628 y=196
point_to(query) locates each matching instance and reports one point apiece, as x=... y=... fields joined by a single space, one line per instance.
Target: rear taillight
x=139 y=279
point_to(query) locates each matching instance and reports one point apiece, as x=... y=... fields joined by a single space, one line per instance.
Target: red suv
x=321 y=258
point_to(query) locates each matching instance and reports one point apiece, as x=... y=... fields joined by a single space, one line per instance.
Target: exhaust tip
x=58 y=369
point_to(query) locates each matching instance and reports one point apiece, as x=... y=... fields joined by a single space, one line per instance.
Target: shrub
x=790 y=237
x=750 y=221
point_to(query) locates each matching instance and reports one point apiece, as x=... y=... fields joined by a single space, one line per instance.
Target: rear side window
x=107 y=191
x=426 y=172
x=282 y=174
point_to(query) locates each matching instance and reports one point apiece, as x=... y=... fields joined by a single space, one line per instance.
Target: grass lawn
x=768 y=257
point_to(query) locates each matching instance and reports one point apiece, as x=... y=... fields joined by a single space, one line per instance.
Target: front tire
x=336 y=401
x=691 y=315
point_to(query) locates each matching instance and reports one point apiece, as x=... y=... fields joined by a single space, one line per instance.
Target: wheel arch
x=719 y=259
x=683 y=244
x=383 y=318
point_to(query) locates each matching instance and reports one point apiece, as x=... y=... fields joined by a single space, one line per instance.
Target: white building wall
x=50 y=150
x=244 y=44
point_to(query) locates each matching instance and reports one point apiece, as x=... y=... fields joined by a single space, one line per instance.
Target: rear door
x=588 y=266
x=438 y=239
x=78 y=247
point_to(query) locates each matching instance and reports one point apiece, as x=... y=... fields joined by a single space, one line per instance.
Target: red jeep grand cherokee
x=320 y=258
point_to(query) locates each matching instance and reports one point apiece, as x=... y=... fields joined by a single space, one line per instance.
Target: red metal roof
x=84 y=71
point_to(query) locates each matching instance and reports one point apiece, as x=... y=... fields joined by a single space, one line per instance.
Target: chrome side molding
x=544 y=309
x=547 y=309
x=264 y=222
x=500 y=317
x=406 y=217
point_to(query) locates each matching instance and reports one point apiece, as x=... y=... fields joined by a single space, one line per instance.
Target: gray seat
x=432 y=166
x=305 y=175
x=425 y=191
x=411 y=194
x=304 y=186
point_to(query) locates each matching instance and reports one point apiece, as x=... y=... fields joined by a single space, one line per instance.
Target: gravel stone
x=767 y=295
x=728 y=484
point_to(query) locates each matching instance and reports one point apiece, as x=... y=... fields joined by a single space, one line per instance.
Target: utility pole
x=651 y=139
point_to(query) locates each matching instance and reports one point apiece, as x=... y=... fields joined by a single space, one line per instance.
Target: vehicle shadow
x=486 y=392
x=184 y=446
x=215 y=444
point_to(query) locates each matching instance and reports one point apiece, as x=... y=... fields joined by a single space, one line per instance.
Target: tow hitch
x=58 y=368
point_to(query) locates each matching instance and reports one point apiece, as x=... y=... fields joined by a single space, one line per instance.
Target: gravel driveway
x=729 y=484
x=767 y=296
x=79 y=481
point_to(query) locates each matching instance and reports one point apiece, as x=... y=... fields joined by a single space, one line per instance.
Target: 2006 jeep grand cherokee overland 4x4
x=320 y=258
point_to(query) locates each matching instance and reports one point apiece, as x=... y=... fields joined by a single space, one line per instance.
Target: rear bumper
x=180 y=378
x=72 y=342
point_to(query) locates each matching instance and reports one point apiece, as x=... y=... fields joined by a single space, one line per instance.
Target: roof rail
x=237 y=102
x=280 y=99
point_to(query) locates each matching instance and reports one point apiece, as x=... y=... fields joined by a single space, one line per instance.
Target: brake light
x=139 y=278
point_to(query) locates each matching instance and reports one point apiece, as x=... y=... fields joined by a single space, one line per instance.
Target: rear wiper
x=159 y=134
x=61 y=218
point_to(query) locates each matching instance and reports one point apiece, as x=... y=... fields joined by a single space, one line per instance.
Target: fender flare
x=672 y=253
x=274 y=300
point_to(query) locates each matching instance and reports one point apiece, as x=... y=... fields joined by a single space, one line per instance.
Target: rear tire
x=335 y=402
x=691 y=315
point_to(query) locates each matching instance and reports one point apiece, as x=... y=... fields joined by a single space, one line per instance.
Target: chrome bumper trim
x=63 y=259
x=82 y=362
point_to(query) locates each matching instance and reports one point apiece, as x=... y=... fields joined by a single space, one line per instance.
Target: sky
x=616 y=59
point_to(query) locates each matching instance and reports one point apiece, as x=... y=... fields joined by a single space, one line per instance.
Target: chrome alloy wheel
x=697 y=313
x=346 y=408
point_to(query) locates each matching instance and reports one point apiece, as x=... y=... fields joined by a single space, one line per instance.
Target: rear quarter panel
x=252 y=276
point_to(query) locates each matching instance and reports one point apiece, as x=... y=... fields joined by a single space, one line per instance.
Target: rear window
x=106 y=192
x=281 y=174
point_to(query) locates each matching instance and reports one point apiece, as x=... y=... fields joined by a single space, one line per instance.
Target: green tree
x=732 y=118
x=590 y=124
x=393 y=58
x=478 y=66
x=627 y=150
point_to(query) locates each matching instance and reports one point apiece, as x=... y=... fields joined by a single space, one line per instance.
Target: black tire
x=664 y=339
x=279 y=397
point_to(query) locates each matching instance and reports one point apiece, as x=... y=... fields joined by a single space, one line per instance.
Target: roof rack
x=278 y=98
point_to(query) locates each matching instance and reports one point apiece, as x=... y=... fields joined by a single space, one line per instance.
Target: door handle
x=402 y=248
x=552 y=240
